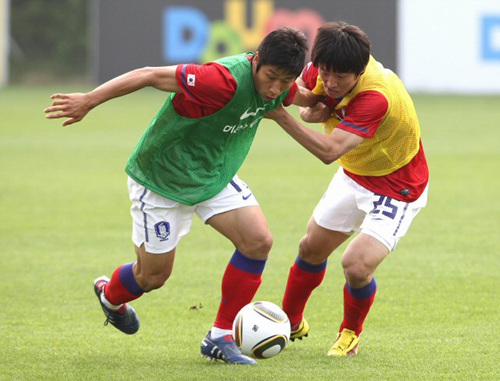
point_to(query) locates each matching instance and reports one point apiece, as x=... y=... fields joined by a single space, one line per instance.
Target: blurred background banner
x=130 y=33
x=4 y=42
x=450 y=45
x=436 y=46
x=49 y=41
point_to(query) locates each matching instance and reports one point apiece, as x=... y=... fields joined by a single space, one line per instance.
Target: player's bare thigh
x=319 y=242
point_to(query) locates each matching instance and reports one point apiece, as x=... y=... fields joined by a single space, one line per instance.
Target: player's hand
x=72 y=106
x=276 y=114
x=319 y=113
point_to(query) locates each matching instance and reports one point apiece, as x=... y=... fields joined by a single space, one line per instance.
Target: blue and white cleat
x=224 y=349
x=126 y=321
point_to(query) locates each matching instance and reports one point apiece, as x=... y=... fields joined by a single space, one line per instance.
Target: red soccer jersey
x=207 y=88
x=362 y=117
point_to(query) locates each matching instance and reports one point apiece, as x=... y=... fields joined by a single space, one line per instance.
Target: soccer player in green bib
x=187 y=162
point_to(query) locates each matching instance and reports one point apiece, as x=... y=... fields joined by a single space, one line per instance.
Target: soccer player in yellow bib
x=372 y=130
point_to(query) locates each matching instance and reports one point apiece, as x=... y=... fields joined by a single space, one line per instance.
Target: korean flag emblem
x=191 y=79
x=162 y=230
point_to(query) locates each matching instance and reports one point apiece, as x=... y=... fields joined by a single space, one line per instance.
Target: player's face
x=270 y=81
x=337 y=85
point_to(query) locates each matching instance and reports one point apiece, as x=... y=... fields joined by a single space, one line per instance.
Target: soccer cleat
x=127 y=321
x=225 y=349
x=346 y=344
x=302 y=331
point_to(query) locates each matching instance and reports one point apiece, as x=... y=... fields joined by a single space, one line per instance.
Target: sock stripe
x=243 y=263
x=128 y=281
x=303 y=265
x=364 y=292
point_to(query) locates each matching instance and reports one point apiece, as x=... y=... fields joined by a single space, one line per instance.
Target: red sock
x=122 y=287
x=302 y=280
x=241 y=281
x=357 y=304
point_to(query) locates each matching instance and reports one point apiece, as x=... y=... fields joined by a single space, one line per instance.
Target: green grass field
x=65 y=221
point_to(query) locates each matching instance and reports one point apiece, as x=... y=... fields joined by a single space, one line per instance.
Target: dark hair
x=341 y=48
x=285 y=48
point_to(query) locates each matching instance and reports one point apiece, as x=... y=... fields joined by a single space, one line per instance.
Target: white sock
x=108 y=304
x=219 y=332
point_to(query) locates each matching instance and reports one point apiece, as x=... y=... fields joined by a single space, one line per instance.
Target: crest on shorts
x=162 y=230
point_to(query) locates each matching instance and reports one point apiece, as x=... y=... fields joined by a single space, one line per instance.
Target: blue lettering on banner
x=185 y=34
x=490 y=38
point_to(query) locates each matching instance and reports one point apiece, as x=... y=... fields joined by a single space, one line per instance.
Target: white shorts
x=159 y=223
x=348 y=207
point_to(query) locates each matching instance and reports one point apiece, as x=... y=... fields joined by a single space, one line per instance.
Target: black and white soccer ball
x=261 y=329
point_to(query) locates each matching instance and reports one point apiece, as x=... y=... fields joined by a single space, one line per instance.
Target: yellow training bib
x=396 y=140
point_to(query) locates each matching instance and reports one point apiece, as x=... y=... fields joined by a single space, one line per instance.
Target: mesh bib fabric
x=396 y=141
x=190 y=160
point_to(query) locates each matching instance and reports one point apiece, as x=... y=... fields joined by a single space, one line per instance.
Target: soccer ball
x=261 y=330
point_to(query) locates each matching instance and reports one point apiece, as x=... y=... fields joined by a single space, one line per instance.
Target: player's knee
x=305 y=248
x=309 y=253
x=258 y=246
x=356 y=273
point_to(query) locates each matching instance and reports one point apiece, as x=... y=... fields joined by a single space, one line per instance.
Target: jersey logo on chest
x=247 y=113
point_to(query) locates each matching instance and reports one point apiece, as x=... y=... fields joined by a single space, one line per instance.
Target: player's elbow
x=144 y=76
x=329 y=156
x=327 y=160
x=333 y=150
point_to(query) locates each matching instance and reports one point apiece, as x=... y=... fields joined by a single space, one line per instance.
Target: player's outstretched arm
x=75 y=106
x=311 y=106
x=319 y=113
x=324 y=147
x=305 y=98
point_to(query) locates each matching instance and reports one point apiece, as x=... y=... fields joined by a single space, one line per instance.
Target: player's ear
x=255 y=61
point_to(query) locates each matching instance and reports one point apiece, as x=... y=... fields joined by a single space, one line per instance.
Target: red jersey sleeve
x=291 y=95
x=363 y=114
x=309 y=75
x=205 y=89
